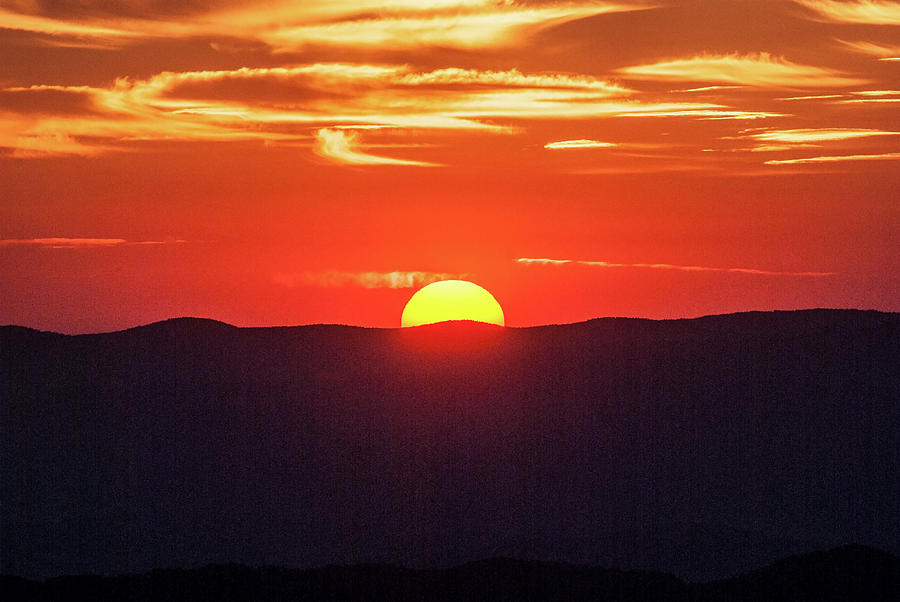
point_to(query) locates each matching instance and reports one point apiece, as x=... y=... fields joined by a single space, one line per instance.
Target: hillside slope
x=703 y=448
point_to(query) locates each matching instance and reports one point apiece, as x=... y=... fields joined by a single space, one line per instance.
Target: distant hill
x=704 y=448
x=850 y=574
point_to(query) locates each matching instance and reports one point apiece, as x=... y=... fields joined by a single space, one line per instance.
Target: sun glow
x=451 y=300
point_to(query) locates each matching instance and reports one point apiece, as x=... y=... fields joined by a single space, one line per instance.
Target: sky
x=280 y=163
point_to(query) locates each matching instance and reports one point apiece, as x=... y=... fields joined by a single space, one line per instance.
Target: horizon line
x=452 y=322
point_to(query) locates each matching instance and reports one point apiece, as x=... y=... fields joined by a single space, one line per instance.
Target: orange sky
x=269 y=163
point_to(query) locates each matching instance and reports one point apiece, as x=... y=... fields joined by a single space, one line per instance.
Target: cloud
x=885 y=52
x=544 y=261
x=297 y=103
x=709 y=89
x=370 y=280
x=859 y=97
x=760 y=70
x=862 y=101
x=50 y=144
x=873 y=12
x=782 y=139
x=720 y=114
x=511 y=78
x=391 y=95
x=836 y=158
x=664 y=266
x=872 y=97
x=289 y=25
x=877 y=93
x=111 y=36
x=80 y=243
x=339 y=145
x=578 y=144
x=813 y=97
x=501 y=23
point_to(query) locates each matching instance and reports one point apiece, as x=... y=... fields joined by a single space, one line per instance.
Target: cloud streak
x=872 y=12
x=800 y=136
x=499 y=24
x=291 y=26
x=777 y=140
x=341 y=146
x=872 y=97
x=664 y=266
x=581 y=143
x=316 y=101
x=81 y=243
x=368 y=280
x=836 y=159
x=884 y=52
x=760 y=70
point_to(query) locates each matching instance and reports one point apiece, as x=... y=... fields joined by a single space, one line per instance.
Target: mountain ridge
x=212 y=322
x=594 y=441
x=850 y=573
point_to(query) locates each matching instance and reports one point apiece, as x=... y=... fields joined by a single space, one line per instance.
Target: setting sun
x=451 y=300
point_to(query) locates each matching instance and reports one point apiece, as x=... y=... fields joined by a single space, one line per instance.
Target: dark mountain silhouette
x=848 y=574
x=705 y=448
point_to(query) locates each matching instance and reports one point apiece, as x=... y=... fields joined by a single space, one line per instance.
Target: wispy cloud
x=866 y=101
x=760 y=70
x=872 y=97
x=774 y=139
x=341 y=146
x=499 y=24
x=858 y=97
x=720 y=114
x=288 y=25
x=882 y=51
x=38 y=144
x=877 y=93
x=813 y=97
x=544 y=261
x=664 y=266
x=371 y=280
x=836 y=158
x=316 y=101
x=511 y=78
x=76 y=30
x=709 y=89
x=581 y=143
x=80 y=243
x=873 y=12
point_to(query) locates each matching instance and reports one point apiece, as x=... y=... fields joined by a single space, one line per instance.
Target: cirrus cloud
x=341 y=146
x=81 y=243
x=760 y=70
x=580 y=143
x=316 y=101
x=370 y=280
x=836 y=159
x=288 y=26
x=812 y=135
x=540 y=261
x=872 y=12
x=884 y=52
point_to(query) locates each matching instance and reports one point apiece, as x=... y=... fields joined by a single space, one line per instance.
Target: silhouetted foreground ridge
x=700 y=448
x=848 y=574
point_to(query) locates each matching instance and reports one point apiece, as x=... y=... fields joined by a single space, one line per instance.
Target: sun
x=451 y=300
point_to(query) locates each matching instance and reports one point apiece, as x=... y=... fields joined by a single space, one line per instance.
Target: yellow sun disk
x=451 y=300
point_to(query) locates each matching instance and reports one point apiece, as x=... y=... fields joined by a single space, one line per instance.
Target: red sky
x=280 y=163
